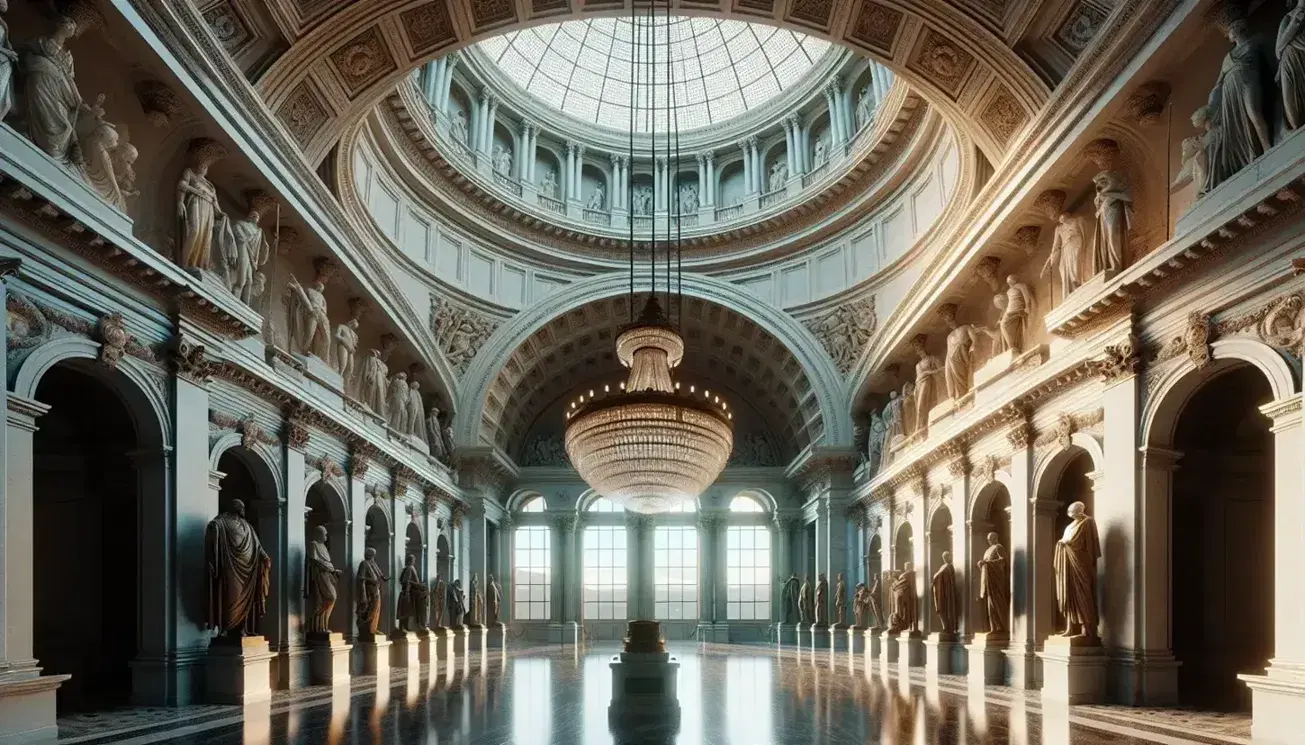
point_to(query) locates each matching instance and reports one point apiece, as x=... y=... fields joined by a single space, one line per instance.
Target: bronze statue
x=994 y=586
x=370 y=580
x=495 y=598
x=840 y=601
x=789 y=596
x=822 y=601
x=906 y=615
x=239 y=573
x=945 y=598
x=1075 y=565
x=411 y=596
x=320 y=589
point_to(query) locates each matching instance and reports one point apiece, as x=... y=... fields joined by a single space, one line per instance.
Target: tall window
x=745 y=504
x=747 y=573
x=532 y=580
x=675 y=572
x=603 y=504
x=605 y=572
x=536 y=504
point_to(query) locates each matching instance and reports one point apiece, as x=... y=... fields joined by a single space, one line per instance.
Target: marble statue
x=1066 y=252
x=875 y=442
x=840 y=601
x=958 y=365
x=1194 y=164
x=104 y=162
x=494 y=601
x=455 y=604
x=1290 y=49
x=346 y=347
x=320 y=584
x=372 y=382
x=596 y=198
x=197 y=209
x=790 y=596
x=907 y=414
x=548 y=184
x=415 y=421
x=1237 y=105
x=396 y=402
x=928 y=383
x=865 y=107
x=239 y=573
x=892 y=424
x=994 y=586
x=310 y=326
x=821 y=153
x=906 y=615
x=806 y=610
x=688 y=199
x=53 y=103
x=1114 y=203
x=437 y=600
x=370 y=580
x=244 y=249
x=434 y=434
x=1075 y=565
x=502 y=160
x=875 y=605
x=448 y=441
x=860 y=605
x=778 y=176
x=8 y=63
x=411 y=596
x=476 y=613
x=946 y=599
x=1017 y=308
x=822 y=600
x=642 y=201
x=459 y=126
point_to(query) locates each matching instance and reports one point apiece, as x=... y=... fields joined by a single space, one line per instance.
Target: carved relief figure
x=1075 y=565
x=455 y=604
x=840 y=600
x=1017 y=307
x=415 y=422
x=1066 y=252
x=928 y=382
x=597 y=198
x=865 y=107
x=107 y=162
x=372 y=383
x=958 y=366
x=346 y=346
x=994 y=586
x=411 y=596
x=244 y=249
x=8 y=63
x=459 y=127
x=495 y=600
x=396 y=403
x=806 y=604
x=548 y=184
x=502 y=160
x=790 y=594
x=197 y=208
x=53 y=103
x=1236 y=105
x=821 y=153
x=1114 y=203
x=641 y=200
x=310 y=326
x=892 y=425
x=368 y=609
x=907 y=414
x=320 y=587
x=688 y=199
x=822 y=601
x=905 y=605
x=1290 y=48
x=239 y=574
x=1195 y=168
x=778 y=176
x=946 y=600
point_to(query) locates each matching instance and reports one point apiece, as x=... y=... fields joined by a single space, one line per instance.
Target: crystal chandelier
x=650 y=445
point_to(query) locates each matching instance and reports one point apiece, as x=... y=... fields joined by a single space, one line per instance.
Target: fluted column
x=579 y=166
x=446 y=81
x=747 y=167
x=432 y=80
x=835 y=120
x=661 y=176
x=568 y=178
x=711 y=178
x=624 y=183
x=526 y=152
x=614 y=183
x=791 y=135
x=482 y=120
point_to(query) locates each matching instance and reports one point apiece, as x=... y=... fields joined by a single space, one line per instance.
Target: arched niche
x=989 y=513
x=874 y=559
x=903 y=546
x=248 y=478
x=326 y=508
x=376 y=525
x=940 y=538
x=443 y=558
x=414 y=545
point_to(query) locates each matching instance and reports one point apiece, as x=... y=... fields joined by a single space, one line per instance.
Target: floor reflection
x=728 y=696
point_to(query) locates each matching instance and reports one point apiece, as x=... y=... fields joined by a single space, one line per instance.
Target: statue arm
x=1288 y=31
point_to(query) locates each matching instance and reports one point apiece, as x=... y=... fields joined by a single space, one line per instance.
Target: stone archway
x=1067 y=477
x=327 y=508
x=249 y=478
x=939 y=540
x=989 y=513
x=378 y=538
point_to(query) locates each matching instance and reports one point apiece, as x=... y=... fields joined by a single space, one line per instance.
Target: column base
x=290 y=668
x=892 y=648
x=939 y=653
x=987 y=660
x=1021 y=667
x=425 y=642
x=1277 y=700
x=788 y=633
x=457 y=641
x=496 y=636
x=328 y=659
x=1143 y=678
x=440 y=643
x=239 y=670
x=169 y=681
x=1073 y=670
x=27 y=708
x=375 y=657
x=404 y=650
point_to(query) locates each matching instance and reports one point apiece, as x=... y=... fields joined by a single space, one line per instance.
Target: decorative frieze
x=845 y=330
x=459 y=331
x=1121 y=360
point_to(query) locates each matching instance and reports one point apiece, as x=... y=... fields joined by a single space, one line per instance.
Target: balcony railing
x=685 y=221
x=597 y=217
x=773 y=198
x=816 y=174
x=728 y=213
x=552 y=205
x=507 y=182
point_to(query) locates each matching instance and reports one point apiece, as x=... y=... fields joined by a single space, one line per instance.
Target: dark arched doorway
x=377 y=526
x=248 y=478
x=904 y=547
x=1073 y=485
x=325 y=508
x=85 y=553
x=1222 y=538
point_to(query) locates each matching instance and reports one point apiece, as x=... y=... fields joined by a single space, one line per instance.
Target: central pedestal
x=425 y=646
x=987 y=659
x=375 y=656
x=1073 y=670
x=476 y=635
x=404 y=650
x=239 y=670
x=645 y=699
x=328 y=659
x=939 y=653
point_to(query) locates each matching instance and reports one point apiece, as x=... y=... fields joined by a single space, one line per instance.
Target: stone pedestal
x=987 y=661
x=874 y=644
x=425 y=646
x=1021 y=667
x=375 y=656
x=821 y=638
x=27 y=707
x=476 y=637
x=788 y=634
x=496 y=636
x=856 y=640
x=910 y=650
x=457 y=640
x=239 y=670
x=645 y=697
x=440 y=643
x=1074 y=670
x=328 y=659
x=1277 y=700
x=892 y=648
x=404 y=650
x=939 y=653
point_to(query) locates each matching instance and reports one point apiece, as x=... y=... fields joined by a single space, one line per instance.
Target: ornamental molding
x=459 y=331
x=1062 y=432
x=845 y=330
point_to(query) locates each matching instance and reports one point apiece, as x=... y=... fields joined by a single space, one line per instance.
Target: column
x=533 y=158
x=573 y=546
x=849 y=121
x=835 y=120
x=790 y=147
x=781 y=531
x=296 y=547
x=432 y=80
x=570 y=169
x=446 y=81
x=525 y=152
x=357 y=534
x=959 y=505
x=747 y=167
x=614 y=185
x=1019 y=656
x=659 y=185
x=758 y=164
x=579 y=171
x=701 y=159
x=481 y=118
x=706 y=524
x=489 y=125
x=621 y=196
x=711 y=178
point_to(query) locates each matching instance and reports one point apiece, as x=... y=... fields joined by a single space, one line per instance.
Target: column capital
x=701 y=158
x=1285 y=412
x=743 y=144
x=662 y=162
x=709 y=156
x=753 y=141
x=486 y=95
x=23 y=412
x=451 y=59
x=528 y=127
x=615 y=158
x=792 y=121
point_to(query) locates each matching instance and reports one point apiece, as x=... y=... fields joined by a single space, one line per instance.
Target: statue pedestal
x=477 y=636
x=404 y=651
x=856 y=639
x=874 y=643
x=425 y=646
x=1073 y=670
x=821 y=637
x=328 y=659
x=942 y=410
x=496 y=635
x=787 y=633
x=322 y=379
x=892 y=647
x=986 y=659
x=440 y=644
x=939 y=650
x=910 y=650
x=375 y=656
x=239 y=670
x=457 y=641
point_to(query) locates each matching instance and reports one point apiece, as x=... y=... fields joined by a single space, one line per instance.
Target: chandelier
x=649 y=444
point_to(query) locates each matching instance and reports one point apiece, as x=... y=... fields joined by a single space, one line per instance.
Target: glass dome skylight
x=721 y=68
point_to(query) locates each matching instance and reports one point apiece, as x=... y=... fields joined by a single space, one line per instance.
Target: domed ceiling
x=719 y=69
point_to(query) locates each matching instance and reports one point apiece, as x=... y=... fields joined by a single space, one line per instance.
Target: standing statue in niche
x=310 y=326
x=1236 y=104
x=806 y=605
x=860 y=605
x=1114 y=203
x=822 y=600
x=8 y=63
x=1195 y=166
x=415 y=421
x=435 y=435
x=840 y=601
x=994 y=586
x=822 y=153
x=688 y=199
x=958 y=365
x=1017 y=308
x=892 y=425
x=946 y=600
x=502 y=160
x=1075 y=565
x=244 y=248
x=875 y=442
x=596 y=198
x=778 y=176
x=370 y=580
x=346 y=348
x=108 y=159
x=320 y=588
x=875 y=605
x=476 y=613
x=455 y=604
x=548 y=184
x=459 y=127
x=906 y=615
x=372 y=382
x=790 y=595
x=1066 y=252
x=50 y=93
x=1290 y=48
x=865 y=107
x=396 y=403
x=494 y=602
x=437 y=592
x=642 y=201
x=928 y=379
x=411 y=596
x=197 y=206
x=907 y=414
x=239 y=574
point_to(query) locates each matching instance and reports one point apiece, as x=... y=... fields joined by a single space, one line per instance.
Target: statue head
x=908 y=567
x=401 y=376
x=947 y=557
x=489 y=578
x=320 y=533
x=993 y=538
x=840 y=576
x=1239 y=31
x=409 y=560
x=414 y=385
x=1012 y=280
x=369 y=554
x=376 y=353
x=1064 y=218
x=65 y=28
x=822 y=577
x=892 y=395
x=237 y=507
x=1077 y=510
x=352 y=323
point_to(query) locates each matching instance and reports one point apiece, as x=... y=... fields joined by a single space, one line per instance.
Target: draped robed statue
x=1075 y=564
x=238 y=573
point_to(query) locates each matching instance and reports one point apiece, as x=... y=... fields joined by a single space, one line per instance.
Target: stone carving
x=946 y=599
x=865 y=107
x=346 y=346
x=928 y=382
x=875 y=605
x=108 y=160
x=597 y=198
x=458 y=127
x=244 y=248
x=370 y=579
x=435 y=436
x=840 y=601
x=1120 y=361
x=476 y=613
x=1197 y=339
x=53 y=103
x=159 y=102
x=860 y=605
x=905 y=604
x=791 y=600
x=8 y=63
x=822 y=600
x=822 y=155
x=994 y=586
x=1195 y=168
x=502 y=160
x=1290 y=49
x=752 y=449
x=197 y=207
x=958 y=365
x=874 y=442
x=893 y=426
x=548 y=184
x=1017 y=309
x=396 y=403
x=1050 y=203
x=455 y=604
x=1283 y=325
x=908 y=408
x=111 y=332
x=1004 y=115
x=459 y=331
x=641 y=201
x=845 y=330
x=688 y=199
x=1237 y=101
x=1067 y=252
x=1081 y=27
x=414 y=422
x=437 y=592
x=546 y=451
x=1146 y=104
x=238 y=574
x=778 y=176
x=310 y=326
x=1075 y=566
x=320 y=584
x=372 y=383
x=1114 y=202
x=494 y=601
x=412 y=597
x=806 y=609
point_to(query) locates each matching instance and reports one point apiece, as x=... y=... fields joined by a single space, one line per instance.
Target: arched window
x=745 y=504
x=534 y=504
x=604 y=570
x=687 y=505
x=747 y=571
x=603 y=504
x=532 y=567
x=675 y=572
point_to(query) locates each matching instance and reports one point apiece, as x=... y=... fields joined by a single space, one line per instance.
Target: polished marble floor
x=729 y=695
